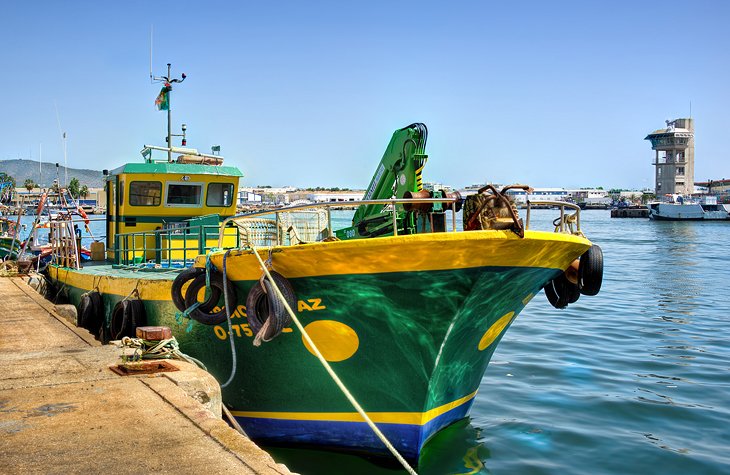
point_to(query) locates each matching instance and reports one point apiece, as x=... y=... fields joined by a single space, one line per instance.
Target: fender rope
x=327 y=366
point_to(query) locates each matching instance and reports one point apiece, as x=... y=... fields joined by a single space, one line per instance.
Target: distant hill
x=21 y=170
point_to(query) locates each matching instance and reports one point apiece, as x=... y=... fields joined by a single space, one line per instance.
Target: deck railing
x=173 y=246
x=566 y=223
x=291 y=225
x=278 y=219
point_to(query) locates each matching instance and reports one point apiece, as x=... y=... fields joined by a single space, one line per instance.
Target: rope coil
x=156 y=350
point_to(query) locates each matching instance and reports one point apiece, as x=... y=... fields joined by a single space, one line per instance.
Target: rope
x=179 y=316
x=156 y=350
x=327 y=367
x=261 y=334
x=133 y=292
x=228 y=318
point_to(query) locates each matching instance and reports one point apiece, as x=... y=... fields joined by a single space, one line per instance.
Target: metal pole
x=169 y=118
x=65 y=162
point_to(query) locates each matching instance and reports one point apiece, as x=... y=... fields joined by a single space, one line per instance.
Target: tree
x=73 y=187
x=29 y=184
x=4 y=177
x=84 y=191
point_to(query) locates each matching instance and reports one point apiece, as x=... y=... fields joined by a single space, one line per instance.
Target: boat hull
x=687 y=212
x=408 y=323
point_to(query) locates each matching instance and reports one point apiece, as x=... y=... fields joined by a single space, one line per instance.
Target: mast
x=165 y=104
x=169 y=118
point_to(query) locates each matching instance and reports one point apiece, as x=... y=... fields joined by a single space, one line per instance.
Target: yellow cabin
x=168 y=210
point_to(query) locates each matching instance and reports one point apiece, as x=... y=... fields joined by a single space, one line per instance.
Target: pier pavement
x=62 y=410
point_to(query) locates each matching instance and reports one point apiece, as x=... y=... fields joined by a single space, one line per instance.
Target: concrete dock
x=62 y=410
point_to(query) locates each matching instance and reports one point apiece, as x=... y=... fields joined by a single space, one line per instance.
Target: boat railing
x=64 y=244
x=291 y=225
x=286 y=226
x=176 y=246
x=566 y=223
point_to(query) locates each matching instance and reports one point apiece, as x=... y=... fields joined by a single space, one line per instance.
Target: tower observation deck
x=674 y=158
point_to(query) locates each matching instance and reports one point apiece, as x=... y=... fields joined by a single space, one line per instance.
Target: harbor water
x=634 y=380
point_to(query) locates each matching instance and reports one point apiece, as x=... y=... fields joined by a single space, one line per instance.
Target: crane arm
x=398 y=172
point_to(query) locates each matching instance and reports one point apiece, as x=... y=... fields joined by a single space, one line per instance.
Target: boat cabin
x=160 y=195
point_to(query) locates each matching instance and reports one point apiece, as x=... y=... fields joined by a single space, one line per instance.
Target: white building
x=539 y=194
x=326 y=196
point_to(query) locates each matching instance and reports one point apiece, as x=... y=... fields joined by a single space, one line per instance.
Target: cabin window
x=184 y=194
x=145 y=193
x=219 y=194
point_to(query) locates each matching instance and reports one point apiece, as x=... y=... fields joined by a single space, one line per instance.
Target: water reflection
x=675 y=278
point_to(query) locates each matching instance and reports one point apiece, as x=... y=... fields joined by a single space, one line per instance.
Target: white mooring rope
x=331 y=372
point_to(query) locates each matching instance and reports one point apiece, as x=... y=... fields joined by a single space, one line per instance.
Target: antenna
x=63 y=137
x=163 y=103
x=690 y=109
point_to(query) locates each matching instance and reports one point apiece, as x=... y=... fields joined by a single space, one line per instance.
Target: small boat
x=406 y=305
x=680 y=208
x=10 y=240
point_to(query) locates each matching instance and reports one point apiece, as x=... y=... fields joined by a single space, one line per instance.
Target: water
x=634 y=380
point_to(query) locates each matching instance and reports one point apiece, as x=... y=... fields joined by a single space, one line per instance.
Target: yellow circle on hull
x=336 y=341
x=494 y=331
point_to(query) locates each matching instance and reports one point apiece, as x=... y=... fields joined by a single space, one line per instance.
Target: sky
x=555 y=93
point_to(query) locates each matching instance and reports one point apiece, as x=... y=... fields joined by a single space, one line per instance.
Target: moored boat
x=405 y=305
x=680 y=208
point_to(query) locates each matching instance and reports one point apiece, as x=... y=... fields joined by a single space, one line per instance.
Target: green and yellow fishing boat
x=407 y=305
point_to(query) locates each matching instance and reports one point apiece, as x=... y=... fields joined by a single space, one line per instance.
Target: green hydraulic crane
x=398 y=173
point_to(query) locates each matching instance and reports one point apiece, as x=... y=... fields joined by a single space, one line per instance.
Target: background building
x=674 y=158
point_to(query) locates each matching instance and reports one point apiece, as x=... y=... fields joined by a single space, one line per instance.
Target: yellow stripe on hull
x=120 y=285
x=422 y=252
x=414 y=418
x=425 y=252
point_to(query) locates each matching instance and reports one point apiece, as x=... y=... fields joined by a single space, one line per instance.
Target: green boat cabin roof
x=176 y=168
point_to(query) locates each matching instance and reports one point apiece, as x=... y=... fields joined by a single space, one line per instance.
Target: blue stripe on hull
x=408 y=439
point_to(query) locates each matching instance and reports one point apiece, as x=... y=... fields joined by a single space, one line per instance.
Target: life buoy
x=83 y=214
x=203 y=313
x=182 y=278
x=590 y=271
x=262 y=303
x=91 y=311
x=560 y=292
x=126 y=317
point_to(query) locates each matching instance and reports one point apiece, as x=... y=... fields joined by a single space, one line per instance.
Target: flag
x=162 y=102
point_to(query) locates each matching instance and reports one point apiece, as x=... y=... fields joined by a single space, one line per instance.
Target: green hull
x=418 y=350
x=408 y=323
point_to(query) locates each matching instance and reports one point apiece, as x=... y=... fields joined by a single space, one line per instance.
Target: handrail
x=331 y=204
x=198 y=233
x=563 y=219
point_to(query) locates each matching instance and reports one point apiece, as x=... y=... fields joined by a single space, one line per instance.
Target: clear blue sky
x=308 y=93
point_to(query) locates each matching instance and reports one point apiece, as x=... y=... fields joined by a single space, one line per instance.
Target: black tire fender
x=560 y=292
x=91 y=311
x=590 y=271
x=263 y=303
x=183 y=277
x=126 y=317
x=203 y=313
